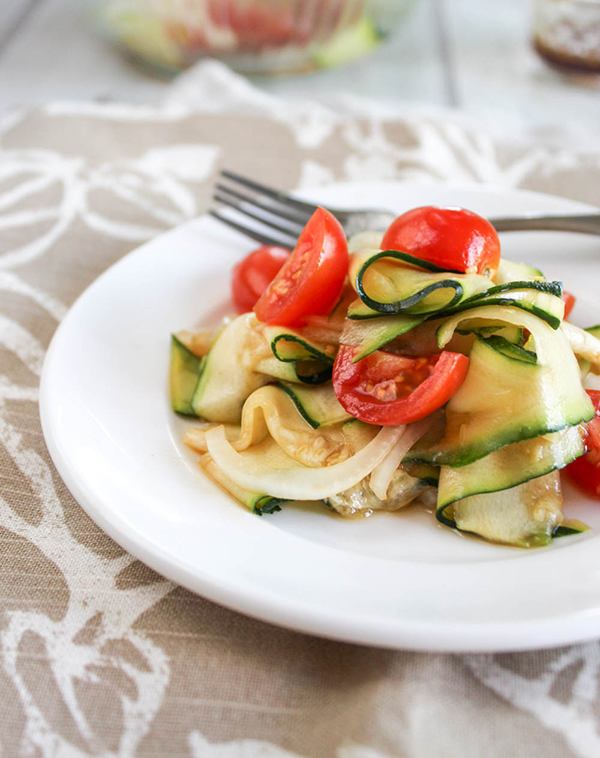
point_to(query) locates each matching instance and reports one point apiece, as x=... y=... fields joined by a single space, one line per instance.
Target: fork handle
x=588 y=223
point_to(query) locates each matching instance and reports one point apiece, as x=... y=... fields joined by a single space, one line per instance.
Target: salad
x=253 y=35
x=416 y=366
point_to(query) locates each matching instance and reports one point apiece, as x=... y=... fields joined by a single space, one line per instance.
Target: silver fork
x=278 y=218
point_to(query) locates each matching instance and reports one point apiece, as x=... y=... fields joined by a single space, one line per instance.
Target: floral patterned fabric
x=99 y=656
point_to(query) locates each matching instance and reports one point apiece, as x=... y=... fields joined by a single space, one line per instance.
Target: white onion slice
x=382 y=474
x=298 y=482
x=582 y=343
x=591 y=382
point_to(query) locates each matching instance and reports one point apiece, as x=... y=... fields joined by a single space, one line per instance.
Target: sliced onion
x=382 y=474
x=582 y=343
x=297 y=482
x=592 y=382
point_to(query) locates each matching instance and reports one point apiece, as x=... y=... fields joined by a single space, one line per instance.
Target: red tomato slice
x=585 y=471
x=388 y=390
x=453 y=238
x=311 y=281
x=569 y=302
x=252 y=275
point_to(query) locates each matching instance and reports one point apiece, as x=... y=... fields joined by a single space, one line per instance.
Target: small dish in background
x=567 y=33
x=252 y=36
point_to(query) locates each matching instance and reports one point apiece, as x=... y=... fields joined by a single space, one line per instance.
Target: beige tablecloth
x=100 y=656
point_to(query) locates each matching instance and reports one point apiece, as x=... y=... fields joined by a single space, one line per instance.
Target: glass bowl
x=252 y=36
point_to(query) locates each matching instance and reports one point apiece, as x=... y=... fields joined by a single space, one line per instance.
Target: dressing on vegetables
x=276 y=429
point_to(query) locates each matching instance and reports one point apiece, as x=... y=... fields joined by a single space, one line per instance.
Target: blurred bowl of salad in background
x=252 y=36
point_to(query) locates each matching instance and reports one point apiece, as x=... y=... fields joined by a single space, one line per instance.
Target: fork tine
x=290 y=214
x=231 y=203
x=281 y=197
x=254 y=234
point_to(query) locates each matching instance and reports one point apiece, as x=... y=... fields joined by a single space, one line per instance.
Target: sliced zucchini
x=523 y=516
x=373 y=334
x=542 y=299
x=510 y=349
x=506 y=399
x=296 y=359
x=394 y=283
x=230 y=372
x=406 y=335
x=289 y=346
x=305 y=372
x=184 y=370
x=570 y=527
x=511 y=271
x=358 y=311
x=317 y=405
x=199 y=343
x=370 y=333
x=511 y=333
x=510 y=466
x=426 y=473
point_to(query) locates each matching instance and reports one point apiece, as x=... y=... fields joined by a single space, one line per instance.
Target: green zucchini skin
x=511 y=333
x=510 y=349
x=427 y=474
x=420 y=279
x=494 y=463
x=317 y=405
x=184 y=371
x=245 y=356
x=311 y=363
x=226 y=381
x=525 y=516
x=511 y=271
x=510 y=466
x=291 y=348
x=541 y=299
x=504 y=400
x=373 y=332
x=266 y=504
x=569 y=528
x=255 y=503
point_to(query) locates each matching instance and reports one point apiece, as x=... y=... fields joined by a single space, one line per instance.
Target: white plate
x=396 y=580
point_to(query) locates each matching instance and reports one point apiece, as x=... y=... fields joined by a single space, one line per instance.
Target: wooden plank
x=501 y=79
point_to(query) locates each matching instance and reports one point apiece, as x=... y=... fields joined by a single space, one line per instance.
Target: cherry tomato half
x=453 y=238
x=252 y=275
x=585 y=471
x=570 y=301
x=311 y=281
x=388 y=390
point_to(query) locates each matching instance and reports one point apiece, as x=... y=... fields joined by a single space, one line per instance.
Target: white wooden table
x=470 y=54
